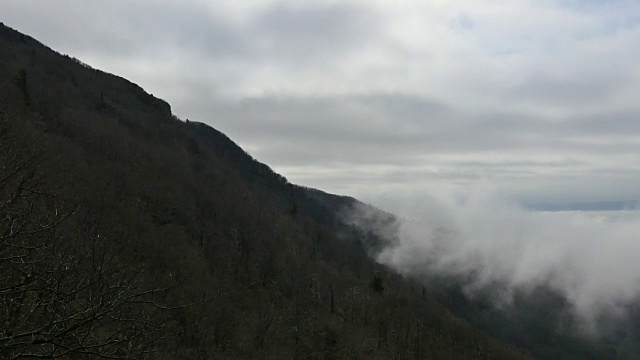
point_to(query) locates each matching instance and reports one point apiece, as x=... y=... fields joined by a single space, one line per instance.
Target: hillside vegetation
x=126 y=232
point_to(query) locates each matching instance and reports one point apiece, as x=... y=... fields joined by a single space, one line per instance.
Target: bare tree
x=61 y=292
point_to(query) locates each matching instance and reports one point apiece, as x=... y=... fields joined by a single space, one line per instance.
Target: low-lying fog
x=591 y=258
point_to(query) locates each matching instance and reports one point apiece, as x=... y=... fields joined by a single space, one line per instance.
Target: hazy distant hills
x=589 y=206
x=126 y=232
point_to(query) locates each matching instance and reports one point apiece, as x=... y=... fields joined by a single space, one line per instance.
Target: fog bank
x=591 y=258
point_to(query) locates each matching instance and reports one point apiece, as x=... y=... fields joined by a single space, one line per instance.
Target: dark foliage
x=542 y=321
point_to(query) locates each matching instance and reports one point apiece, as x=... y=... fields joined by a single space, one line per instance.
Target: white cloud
x=499 y=247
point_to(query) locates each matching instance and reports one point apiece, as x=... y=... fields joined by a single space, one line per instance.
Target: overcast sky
x=380 y=98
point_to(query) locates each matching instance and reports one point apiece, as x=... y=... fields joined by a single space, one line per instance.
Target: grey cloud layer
x=538 y=95
x=399 y=139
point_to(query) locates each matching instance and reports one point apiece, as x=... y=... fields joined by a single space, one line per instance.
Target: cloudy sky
x=376 y=98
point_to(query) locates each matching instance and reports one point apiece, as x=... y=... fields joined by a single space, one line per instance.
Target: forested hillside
x=126 y=232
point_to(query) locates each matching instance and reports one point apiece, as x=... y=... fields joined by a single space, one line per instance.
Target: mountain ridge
x=153 y=237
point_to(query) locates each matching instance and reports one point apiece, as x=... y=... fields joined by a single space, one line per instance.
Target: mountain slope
x=128 y=233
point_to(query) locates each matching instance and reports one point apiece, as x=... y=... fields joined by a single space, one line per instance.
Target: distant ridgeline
x=590 y=206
